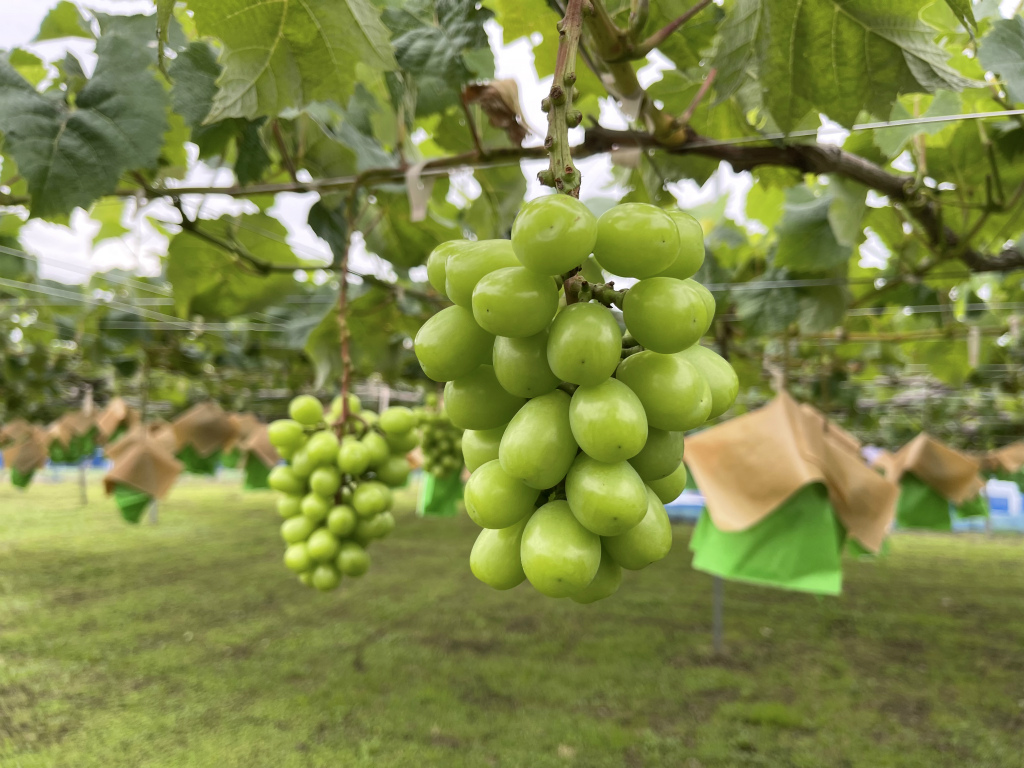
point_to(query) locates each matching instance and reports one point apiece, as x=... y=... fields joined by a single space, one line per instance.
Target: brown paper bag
x=952 y=473
x=159 y=432
x=244 y=424
x=258 y=444
x=206 y=427
x=748 y=466
x=116 y=412
x=145 y=464
x=1009 y=458
x=14 y=430
x=29 y=451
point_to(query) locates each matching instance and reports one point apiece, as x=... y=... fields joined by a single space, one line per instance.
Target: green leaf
x=685 y=47
x=287 y=53
x=164 y=11
x=769 y=309
x=436 y=48
x=964 y=11
x=737 y=55
x=847 y=210
x=395 y=238
x=892 y=140
x=211 y=281
x=840 y=57
x=63 y=21
x=28 y=65
x=765 y=203
x=330 y=225
x=108 y=213
x=806 y=240
x=1002 y=52
x=253 y=159
x=501 y=194
x=194 y=76
x=822 y=308
x=72 y=156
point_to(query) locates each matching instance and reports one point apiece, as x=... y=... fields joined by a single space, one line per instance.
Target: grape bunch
x=335 y=495
x=440 y=440
x=574 y=429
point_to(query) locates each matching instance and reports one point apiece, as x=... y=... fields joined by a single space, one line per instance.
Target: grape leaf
x=65 y=20
x=209 y=280
x=892 y=140
x=108 y=213
x=164 y=10
x=501 y=194
x=685 y=46
x=73 y=155
x=964 y=11
x=1002 y=51
x=287 y=53
x=194 y=76
x=28 y=65
x=253 y=159
x=767 y=309
x=806 y=240
x=821 y=308
x=737 y=54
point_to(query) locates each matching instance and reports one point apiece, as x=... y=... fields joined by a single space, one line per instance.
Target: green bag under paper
x=976 y=507
x=921 y=506
x=230 y=459
x=256 y=474
x=131 y=501
x=796 y=547
x=21 y=479
x=439 y=497
x=196 y=464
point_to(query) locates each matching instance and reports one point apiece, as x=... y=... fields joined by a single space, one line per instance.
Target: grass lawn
x=188 y=644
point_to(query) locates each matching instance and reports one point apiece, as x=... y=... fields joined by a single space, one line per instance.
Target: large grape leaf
x=964 y=11
x=211 y=281
x=194 y=76
x=28 y=65
x=287 y=53
x=501 y=194
x=64 y=20
x=73 y=155
x=1002 y=51
x=806 y=240
x=834 y=56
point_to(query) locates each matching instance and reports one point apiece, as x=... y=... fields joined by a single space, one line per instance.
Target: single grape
x=325 y=481
x=296 y=529
x=352 y=560
x=341 y=520
x=451 y=344
x=371 y=498
x=322 y=447
x=289 y=505
x=661 y=456
x=607 y=499
x=480 y=446
x=495 y=559
x=465 y=268
x=645 y=543
x=437 y=262
x=497 y=499
x=559 y=555
x=477 y=400
x=521 y=365
x=397 y=420
x=691 y=247
x=394 y=472
x=306 y=410
x=285 y=433
x=605 y=584
x=302 y=465
x=377 y=449
x=636 y=240
x=538 y=447
x=608 y=421
x=584 y=344
x=353 y=457
x=326 y=577
x=718 y=373
x=674 y=395
x=315 y=507
x=664 y=314
x=669 y=487
x=553 y=234
x=401 y=442
x=283 y=479
x=514 y=302
x=709 y=302
x=297 y=559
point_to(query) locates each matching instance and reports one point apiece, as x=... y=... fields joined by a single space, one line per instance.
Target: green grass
x=188 y=644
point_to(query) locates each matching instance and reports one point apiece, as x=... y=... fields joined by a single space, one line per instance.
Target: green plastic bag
x=858 y=551
x=976 y=507
x=131 y=501
x=921 y=506
x=439 y=496
x=21 y=479
x=230 y=459
x=691 y=484
x=196 y=464
x=256 y=474
x=1014 y=477
x=796 y=547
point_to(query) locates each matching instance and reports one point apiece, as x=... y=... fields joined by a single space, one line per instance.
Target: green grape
x=296 y=558
x=302 y=465
x=608 y=421
x=521 y=365
x=371 y=498
x=286 y=453
x=465 y=268
x=353 y=457
x=480 y=446
x=323 y=545
x=306 y=578
x=397 y=420
x=584 y=344
x=477 y=400
x=645 y=543
x=495 y=558
x=709 y=302
x=497 y=499
x=559 y=555
x=514 y=302
x=315 y=507
x=377 y=450
x=538 y=447
x=437 y=262
x=669 y=487
x=296 y=529
x=553 y=234
x=605 y=584
x=325 y=481
x=355 y=405
x=395 y=472
x=674 y=395
x=289 y=505
x=306 y=410
x=661 y=456
x=401 y=442
x=450 y=344
x=352 y=560
x=636 y=240
x=718 y=373
x=285 y=433
x=691 y=247
x=325 y=577
x=664 y=314
x=607 y=499
x=282 y=478
x=322 y=447
x=346 y=494
x=341 y=520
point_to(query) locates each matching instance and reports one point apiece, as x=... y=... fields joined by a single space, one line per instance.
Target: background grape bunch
x=574 y=429
x=335 y=495
x=440 y=440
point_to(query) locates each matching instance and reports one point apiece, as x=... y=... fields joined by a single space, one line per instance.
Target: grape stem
x=561 y=172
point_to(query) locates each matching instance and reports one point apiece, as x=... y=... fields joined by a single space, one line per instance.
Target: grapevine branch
x=561 y=172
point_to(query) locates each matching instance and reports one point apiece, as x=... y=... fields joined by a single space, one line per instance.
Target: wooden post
x=154 y=513
x=717 y=618
x=82 y=489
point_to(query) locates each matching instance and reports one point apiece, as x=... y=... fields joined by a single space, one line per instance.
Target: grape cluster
x=574 y=429
x=440 y=440
x=335 y=495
